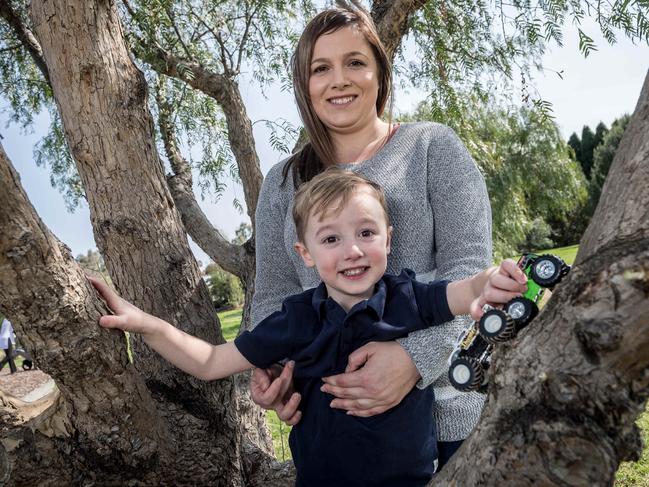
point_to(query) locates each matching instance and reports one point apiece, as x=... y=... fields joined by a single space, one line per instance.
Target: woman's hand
x=378 y=376
x=272 y=388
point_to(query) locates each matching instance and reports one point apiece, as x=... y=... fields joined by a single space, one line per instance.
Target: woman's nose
x=339 y=79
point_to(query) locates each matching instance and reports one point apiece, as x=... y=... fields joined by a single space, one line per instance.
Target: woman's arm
x=275 y=280
x=462 y=215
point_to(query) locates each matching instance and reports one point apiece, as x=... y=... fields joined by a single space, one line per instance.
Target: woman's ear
x=304 y=253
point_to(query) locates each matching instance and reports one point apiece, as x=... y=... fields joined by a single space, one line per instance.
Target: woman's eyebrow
x=346 y=55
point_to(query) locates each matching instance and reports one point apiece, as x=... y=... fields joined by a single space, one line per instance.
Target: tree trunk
x=564 y=396
x=101 y=97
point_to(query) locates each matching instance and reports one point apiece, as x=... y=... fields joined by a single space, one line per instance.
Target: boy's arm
x=495 y=285
x=191 y=354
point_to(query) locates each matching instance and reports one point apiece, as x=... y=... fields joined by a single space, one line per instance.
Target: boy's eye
x=330 y=239
x=367 y=233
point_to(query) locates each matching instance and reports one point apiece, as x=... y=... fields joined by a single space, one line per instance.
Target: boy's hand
x=127 y=317
x=502 y=284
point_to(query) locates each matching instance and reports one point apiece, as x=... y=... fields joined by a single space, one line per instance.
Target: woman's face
x=343 y=84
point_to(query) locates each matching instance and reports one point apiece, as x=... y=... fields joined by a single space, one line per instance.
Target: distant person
x=344 y=233
x=7 y=341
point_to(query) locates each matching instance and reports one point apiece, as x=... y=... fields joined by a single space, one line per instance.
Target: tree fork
x=55 y=311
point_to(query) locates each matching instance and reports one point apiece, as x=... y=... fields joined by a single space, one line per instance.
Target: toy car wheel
x=27 y=364
x=522 y=310
x=547 y=270
x=496 y=326
x=466 y=374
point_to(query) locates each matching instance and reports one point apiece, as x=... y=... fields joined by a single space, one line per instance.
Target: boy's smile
x=348 y=247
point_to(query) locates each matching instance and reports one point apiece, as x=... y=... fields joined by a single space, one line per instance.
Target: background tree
x=603 y=158
x=575 y=143
x=114 y=422
x=225 y=288
x=535 y=187
x=588 y=144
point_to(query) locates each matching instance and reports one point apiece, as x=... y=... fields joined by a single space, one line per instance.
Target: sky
x=598 y=88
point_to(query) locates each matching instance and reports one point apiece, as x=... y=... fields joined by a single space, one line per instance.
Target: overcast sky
x=599 y=88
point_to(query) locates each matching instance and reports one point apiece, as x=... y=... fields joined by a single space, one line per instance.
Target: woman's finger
x=287 y=411
x=344 y=392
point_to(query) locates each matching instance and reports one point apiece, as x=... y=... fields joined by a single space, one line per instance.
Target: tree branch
x=391 y=19
x=226 y=92
x=25 y=36
x=55 y=311
x=229 y=256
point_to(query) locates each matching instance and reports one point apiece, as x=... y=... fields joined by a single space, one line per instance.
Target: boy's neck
x=348 y=304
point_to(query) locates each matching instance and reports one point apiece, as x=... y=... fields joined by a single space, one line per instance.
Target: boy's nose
x=353 y=251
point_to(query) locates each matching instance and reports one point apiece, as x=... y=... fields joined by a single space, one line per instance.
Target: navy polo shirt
x=330 y=448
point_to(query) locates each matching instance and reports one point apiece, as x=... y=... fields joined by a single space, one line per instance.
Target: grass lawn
x=630 y=474
x=230 y=321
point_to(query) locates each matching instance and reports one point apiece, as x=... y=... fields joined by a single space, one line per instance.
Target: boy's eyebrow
x=362 y=221
x=348 y=54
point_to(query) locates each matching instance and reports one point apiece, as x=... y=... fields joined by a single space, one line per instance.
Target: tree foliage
x=603 y=157
x=225 y=288
x=535 y=187
x=459 y=46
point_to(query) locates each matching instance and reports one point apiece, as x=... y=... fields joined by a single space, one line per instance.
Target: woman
x=438 y=205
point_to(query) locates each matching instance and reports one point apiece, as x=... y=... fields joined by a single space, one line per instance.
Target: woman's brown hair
x=319 y=152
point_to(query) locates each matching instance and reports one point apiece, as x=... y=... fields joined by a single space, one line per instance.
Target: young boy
x=343 y=230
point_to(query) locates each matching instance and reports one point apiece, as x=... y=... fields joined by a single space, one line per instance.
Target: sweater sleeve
x=462 y=216
x=276 y=277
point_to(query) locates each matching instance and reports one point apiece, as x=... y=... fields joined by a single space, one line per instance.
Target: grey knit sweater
x=440 y=211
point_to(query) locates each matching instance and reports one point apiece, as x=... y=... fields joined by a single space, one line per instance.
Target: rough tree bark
x=101 y=97
x=564 y=396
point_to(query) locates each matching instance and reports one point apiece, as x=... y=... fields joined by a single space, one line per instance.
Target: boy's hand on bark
x=127 y=317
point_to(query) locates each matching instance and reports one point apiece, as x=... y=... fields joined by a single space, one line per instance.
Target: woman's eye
x=356 y=63
x=319 y=69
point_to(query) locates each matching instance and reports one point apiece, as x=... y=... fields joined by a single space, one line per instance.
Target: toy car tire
x=27 y=364
x=522 y=310
x=466 y=374
x=547 y=270
x=496 y=326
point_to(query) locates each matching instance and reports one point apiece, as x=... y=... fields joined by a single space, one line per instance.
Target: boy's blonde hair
x=317 y=196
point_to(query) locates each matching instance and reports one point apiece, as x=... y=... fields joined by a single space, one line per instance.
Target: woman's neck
x=362 y=144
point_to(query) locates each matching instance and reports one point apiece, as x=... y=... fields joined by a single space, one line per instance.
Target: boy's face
x=350 y=248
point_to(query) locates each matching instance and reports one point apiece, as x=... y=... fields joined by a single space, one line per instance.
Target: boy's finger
x=111 y=297
x=497 y=296
x=500 y=281
x=511 y=268
x=110 y=321
x=475 y=309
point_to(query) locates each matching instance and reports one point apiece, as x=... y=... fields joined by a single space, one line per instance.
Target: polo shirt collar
x=376 y=302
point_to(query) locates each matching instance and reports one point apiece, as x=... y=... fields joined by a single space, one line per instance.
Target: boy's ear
x=304 y=253
x=389 y=242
